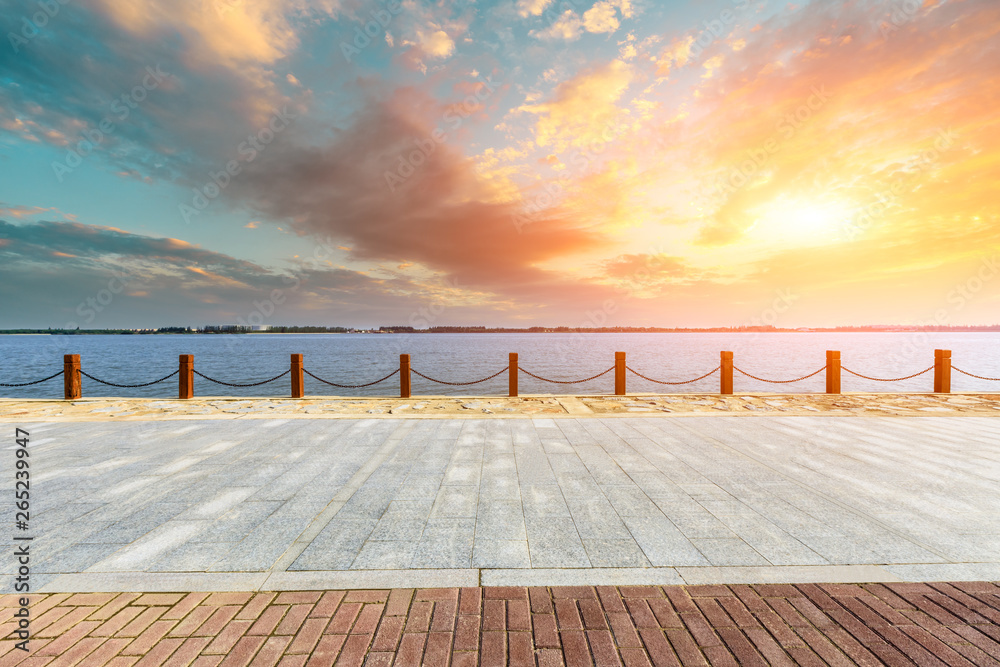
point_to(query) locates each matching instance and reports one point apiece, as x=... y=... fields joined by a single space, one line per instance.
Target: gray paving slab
x=192 y=557
x=337 y=546
x=445 y=544
x=516 y=500
x=662 y=543
x=385 y=555
x=456 y=501
x=74 y=558
x=500 y=520
x=728 y=552
x=614 y=553
x=554 y=542
x=500 y=553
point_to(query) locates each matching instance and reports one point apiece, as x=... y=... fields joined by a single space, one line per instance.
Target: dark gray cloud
x=328 y=177
x=388 y=189
x=55 y=273
x=82 y=69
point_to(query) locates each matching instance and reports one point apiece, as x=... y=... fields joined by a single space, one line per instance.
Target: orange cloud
x=23 y=211
x=444 y=216
x=602 y=17
x=215 y=278
x=226 y=31
x=675 y=55
x=532 y=7
x=582 y=108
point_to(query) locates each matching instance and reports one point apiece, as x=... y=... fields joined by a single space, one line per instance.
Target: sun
x=798 y=221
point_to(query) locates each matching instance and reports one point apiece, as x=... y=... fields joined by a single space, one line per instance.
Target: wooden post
x=942 y=371
x=833 y=371
x=726 y=380
x=404 y=376
x=512 y=374
x=298 y=379
x=619 y=373
x=71 y=377
x=185 y=385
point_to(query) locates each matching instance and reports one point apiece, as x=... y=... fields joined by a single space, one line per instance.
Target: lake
x=360 y=358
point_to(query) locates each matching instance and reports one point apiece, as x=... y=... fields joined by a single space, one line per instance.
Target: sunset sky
x=512 y=163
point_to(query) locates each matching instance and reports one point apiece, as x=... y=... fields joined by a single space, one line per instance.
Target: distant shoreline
x=533 y=330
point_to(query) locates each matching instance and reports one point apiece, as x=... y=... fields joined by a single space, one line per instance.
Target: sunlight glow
x=799 y=221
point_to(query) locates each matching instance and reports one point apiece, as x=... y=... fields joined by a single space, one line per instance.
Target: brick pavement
x=777 y=624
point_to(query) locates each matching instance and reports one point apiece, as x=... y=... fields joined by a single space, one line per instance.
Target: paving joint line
x=823 y=495
x=888 y=528
x=479 y=498
x=562 y=493
x=357 y=480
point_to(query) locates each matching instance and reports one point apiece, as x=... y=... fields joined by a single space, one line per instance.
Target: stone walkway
x=366 y=541
x=391 y=503
x=807 y=624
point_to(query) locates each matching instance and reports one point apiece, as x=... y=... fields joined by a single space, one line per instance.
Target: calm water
x=358 y=358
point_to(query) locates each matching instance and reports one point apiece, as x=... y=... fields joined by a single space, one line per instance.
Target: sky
x=515 y=163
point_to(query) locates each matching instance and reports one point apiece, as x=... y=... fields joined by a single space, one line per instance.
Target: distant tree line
x=305 y=330
x=240 y=329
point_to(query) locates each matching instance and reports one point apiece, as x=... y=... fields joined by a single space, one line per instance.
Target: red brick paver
x=809 y=624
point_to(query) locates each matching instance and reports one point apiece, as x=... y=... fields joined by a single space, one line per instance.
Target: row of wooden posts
x=71 y=374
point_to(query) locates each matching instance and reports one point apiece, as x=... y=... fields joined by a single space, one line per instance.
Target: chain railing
x=72 y=374
x=905 y=377
x=460 y=384
x=350 y=386
x=592 y=377
x=128 y=386
x=754 y=377
x=644 y=377
x=233 y=384
x=973 y=375
x=28 y=384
